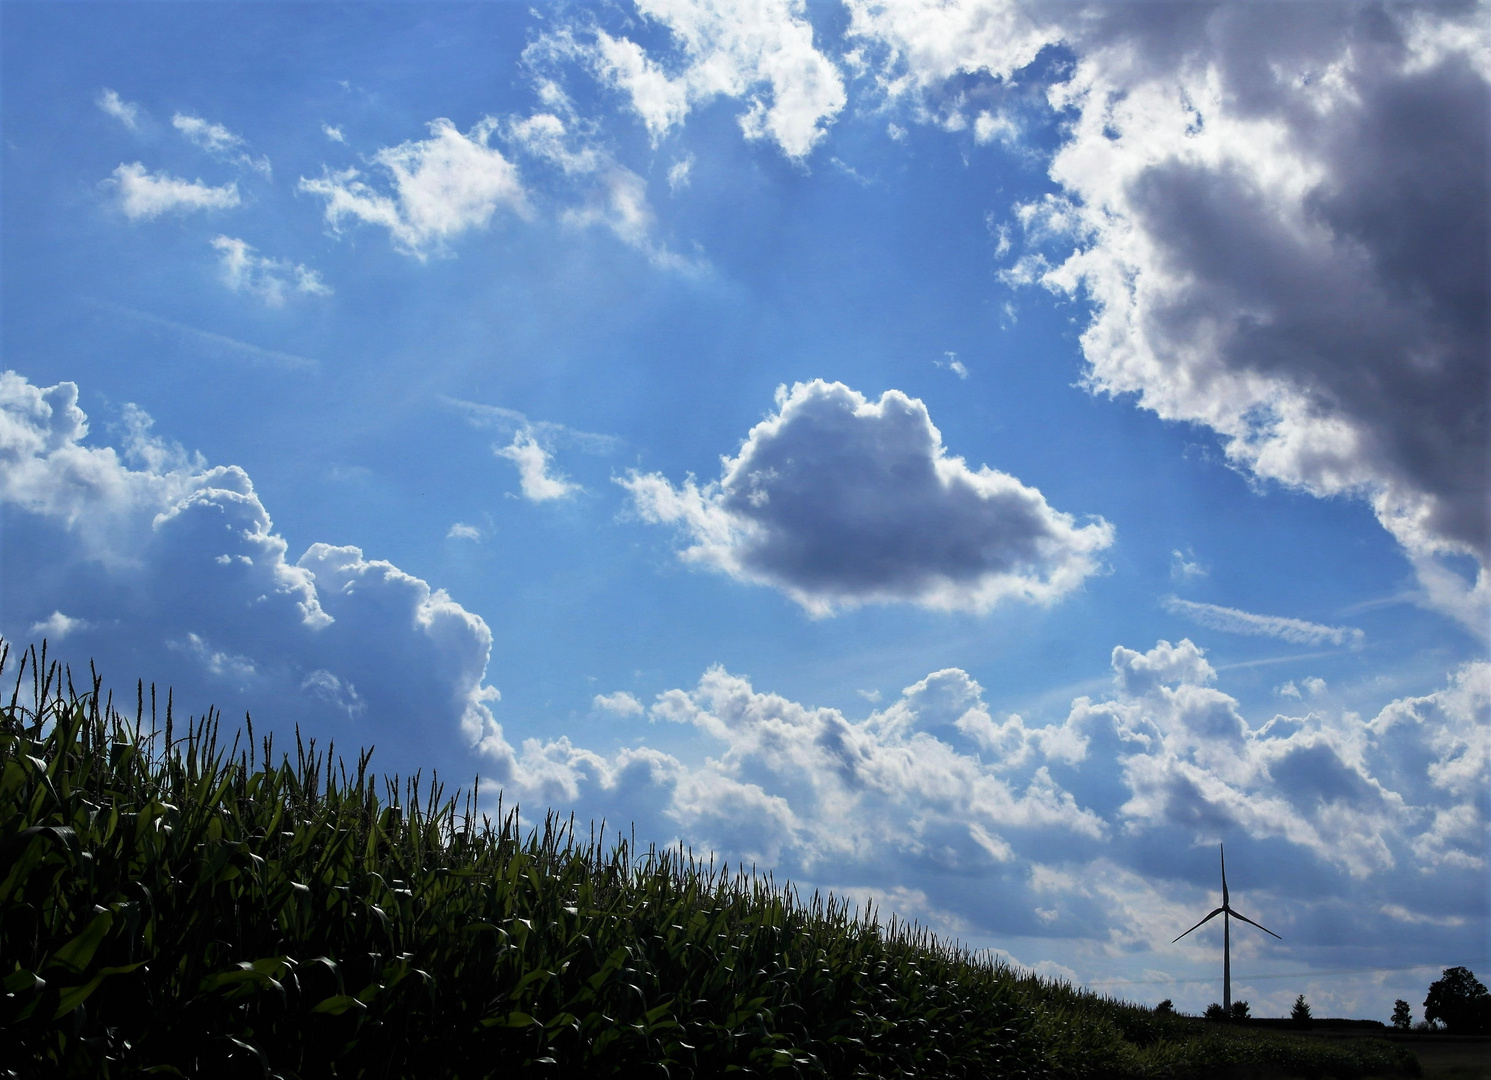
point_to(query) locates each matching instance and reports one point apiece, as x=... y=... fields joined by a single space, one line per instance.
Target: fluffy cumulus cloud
x=144 y=195
x=1278 y=215
x=937 y=795
x=619 y=703
x=244 y=270
x=840 y=501
x=165 y=564
x=441 y=187
x=809 y=790
x=762 y=52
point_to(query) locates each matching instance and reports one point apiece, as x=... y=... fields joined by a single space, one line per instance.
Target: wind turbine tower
x=1227 y=916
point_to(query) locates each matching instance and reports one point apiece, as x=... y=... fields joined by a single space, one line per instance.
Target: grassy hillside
x=171 y=905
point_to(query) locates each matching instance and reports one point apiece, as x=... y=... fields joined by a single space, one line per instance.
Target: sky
x=969 y=456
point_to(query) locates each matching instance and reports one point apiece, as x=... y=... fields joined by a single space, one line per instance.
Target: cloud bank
x=936 y=795
x=161 y=561
x=839 y=501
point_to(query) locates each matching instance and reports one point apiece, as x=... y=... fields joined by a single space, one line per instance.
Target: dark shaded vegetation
x=1460 y=1002
x=170 y=905
x=1300 y=1014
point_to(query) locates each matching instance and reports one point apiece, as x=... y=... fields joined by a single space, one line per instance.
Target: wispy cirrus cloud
x=126 y=112
x=244 y=270
x=211 y=344
x=1234 y=621
x=220 y=142
x=532 y=446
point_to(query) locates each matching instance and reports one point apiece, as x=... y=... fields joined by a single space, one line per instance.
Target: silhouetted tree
x=1165 y=1008
x=1402 y=1015
x=1240 y=1012
x=1300 y=1014
x=1460 y=1002
x=1214 y=1011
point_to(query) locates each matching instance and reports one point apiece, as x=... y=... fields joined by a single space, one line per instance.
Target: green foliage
x=1240 y=1012
x=1402 y=1015
x=1300 y=1014
x=1460 y=1002
x=1214 y=1011
x=172 y=907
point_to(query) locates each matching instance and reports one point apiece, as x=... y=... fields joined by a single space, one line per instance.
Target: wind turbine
x=1227 y=916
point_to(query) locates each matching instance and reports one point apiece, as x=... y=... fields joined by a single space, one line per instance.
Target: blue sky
x=973 y=456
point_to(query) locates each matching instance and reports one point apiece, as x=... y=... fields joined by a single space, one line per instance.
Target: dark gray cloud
x=839 y=501
x=1280 y=219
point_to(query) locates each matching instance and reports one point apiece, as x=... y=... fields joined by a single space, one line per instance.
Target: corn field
x=174 y=904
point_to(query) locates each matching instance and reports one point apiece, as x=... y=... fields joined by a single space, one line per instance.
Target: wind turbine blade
x=1224 y=874
x=1203 y=922
x=1250 y=922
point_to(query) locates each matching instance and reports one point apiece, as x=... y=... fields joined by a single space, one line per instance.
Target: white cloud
x=442 y=187
x=808 y=788
x=1184 y=566
x=126 y=112
x=513 y=422
x=838 y=501
x=936 y=795
x=181 y=563
x=999 y=127
x=953 y=364
x=1232 y=621
x=762 y=52
x=214 y=138
x=618 y=704
x=604 y=192
x=219 y=141
x=915 y=46
x=244 y=270
x=57 y=626
x=329 y=688
x=333 y=133
x=462 y=531
x=147 y=195
x=533 y=462
x=679 y=173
